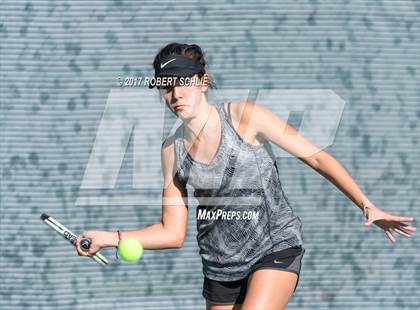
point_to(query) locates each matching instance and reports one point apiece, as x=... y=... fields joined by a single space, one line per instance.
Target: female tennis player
x=250 y=240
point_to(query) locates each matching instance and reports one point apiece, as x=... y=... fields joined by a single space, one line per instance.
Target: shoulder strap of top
x=222 y=112
x=226 y=119
x=179 y=146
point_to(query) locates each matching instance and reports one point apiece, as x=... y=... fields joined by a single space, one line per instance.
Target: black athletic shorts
x=233 y=292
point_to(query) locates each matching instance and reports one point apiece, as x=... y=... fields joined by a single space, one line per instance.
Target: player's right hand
x=98 y=239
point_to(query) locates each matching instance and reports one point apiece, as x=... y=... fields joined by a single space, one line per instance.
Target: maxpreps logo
x=220 y=214
x=133 y=114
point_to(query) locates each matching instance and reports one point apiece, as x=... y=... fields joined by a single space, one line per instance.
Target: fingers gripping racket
x=72 y=238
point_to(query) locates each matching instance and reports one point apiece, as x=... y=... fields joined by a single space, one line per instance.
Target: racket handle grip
x=98 y=257
x=85 y=244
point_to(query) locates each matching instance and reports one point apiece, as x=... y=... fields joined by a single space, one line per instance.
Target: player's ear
x=204 y=81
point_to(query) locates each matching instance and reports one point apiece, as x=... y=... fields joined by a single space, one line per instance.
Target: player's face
x=184 y=99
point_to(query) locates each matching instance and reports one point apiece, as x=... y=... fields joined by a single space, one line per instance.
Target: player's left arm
x=273 y=128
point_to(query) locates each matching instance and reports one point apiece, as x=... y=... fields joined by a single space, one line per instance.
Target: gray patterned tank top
x=243 y=213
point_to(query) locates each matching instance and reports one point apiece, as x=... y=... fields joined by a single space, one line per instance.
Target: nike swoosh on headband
x=164 y=64
x=277 y=261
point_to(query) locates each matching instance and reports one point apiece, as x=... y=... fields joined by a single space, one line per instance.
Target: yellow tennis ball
x=130 y=250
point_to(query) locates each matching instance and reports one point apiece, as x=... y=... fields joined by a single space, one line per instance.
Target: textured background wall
x=59 y=61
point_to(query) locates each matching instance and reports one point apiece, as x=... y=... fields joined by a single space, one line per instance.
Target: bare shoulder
x=236 y=109
x=168 y=143
x=236 y=112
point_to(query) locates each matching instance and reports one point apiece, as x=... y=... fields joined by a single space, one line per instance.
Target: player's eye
x=164 y=90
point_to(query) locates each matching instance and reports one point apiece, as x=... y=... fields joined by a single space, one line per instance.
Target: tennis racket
x=72 y=238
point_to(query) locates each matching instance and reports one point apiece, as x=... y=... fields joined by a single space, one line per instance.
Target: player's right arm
x=171 y=231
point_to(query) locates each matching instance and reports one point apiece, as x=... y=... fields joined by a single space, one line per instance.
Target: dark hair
x=192 y=51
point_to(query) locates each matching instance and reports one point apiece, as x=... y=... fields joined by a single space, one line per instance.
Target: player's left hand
x=387 y=222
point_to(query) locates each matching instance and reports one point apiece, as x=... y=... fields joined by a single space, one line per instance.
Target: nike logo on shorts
x=164 y=64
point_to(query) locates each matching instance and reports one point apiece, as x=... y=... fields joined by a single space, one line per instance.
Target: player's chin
x=182 y=110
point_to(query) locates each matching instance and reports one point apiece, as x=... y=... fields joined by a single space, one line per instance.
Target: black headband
x=178 y=65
